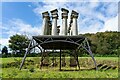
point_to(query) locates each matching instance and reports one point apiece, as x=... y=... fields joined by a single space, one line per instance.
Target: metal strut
x=28 y=49
x=42 y=57
x=88 y=49
x=60 y=59
x=76 y=57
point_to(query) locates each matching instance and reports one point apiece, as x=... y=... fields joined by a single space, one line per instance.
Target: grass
x=32 y=71
x=107 y=58
x=12 y=59
x=16 y=73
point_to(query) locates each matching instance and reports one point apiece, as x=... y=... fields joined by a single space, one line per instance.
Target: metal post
x=42 y=59
x=60 y=59
x=33 y=45
x=77 y=60
x=90 y=52
x=25 y=55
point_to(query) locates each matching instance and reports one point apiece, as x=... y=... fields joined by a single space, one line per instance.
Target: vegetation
x=104 y=43
x=5 y=51
x=10 y=68
x=18 y=43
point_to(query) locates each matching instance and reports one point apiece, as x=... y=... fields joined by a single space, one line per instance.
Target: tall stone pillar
x=74 y=17
x=54 y=14
x=58 y=30
x=64 y=21
x=45 y=26
x=69 y=28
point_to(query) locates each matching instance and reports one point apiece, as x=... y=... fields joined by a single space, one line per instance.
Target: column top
x=64 y=10
x=64 y=15
x=54 y=16
x=74 y=14
x=45 y=14
x=54 y=11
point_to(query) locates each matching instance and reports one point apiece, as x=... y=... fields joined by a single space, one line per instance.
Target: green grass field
x=10 y=68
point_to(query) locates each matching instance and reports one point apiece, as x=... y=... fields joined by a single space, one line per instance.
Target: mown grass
x=30 y=70
x=12 y=59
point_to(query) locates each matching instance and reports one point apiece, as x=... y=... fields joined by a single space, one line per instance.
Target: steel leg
x=25 y=55
x=90 y=52
x=60 y=59
x=42 y=59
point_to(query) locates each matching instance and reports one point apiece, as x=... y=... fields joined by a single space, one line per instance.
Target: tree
x=105 y=43
x=5 y=50
x=18 y=43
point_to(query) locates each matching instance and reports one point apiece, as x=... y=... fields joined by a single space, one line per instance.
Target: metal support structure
x=59 y=42
x=89 y=51
x=28 y=50
x=77 y=41
x=60 y=59
x=42 y=59
x=25 y=54
x=76 y=57
x=32 y=45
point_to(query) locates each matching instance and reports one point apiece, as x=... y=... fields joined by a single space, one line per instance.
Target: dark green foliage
x=18 y=43
x=4 y=50
x=104 y=43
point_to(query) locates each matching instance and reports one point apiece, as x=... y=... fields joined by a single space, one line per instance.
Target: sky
x=20 y=17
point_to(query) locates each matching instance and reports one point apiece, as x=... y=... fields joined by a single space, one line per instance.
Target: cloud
x=88 y=10
x=90 y=26
x=93 y=17
x=4 y=42
x=18 y=26
x=111 y=25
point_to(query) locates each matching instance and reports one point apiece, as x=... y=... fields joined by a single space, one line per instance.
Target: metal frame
x=84 y=45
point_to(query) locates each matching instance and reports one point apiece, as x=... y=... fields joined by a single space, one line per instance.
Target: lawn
x=10 y=68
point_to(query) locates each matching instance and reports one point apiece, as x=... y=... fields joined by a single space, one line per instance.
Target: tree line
x=102 y=43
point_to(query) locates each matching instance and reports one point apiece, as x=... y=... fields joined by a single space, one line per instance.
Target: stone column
x=64 y=21
x=58 y=30
x=54 y=14
x=74 y=17
x=50 y=26
x=70 y=28
x=45 y=26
